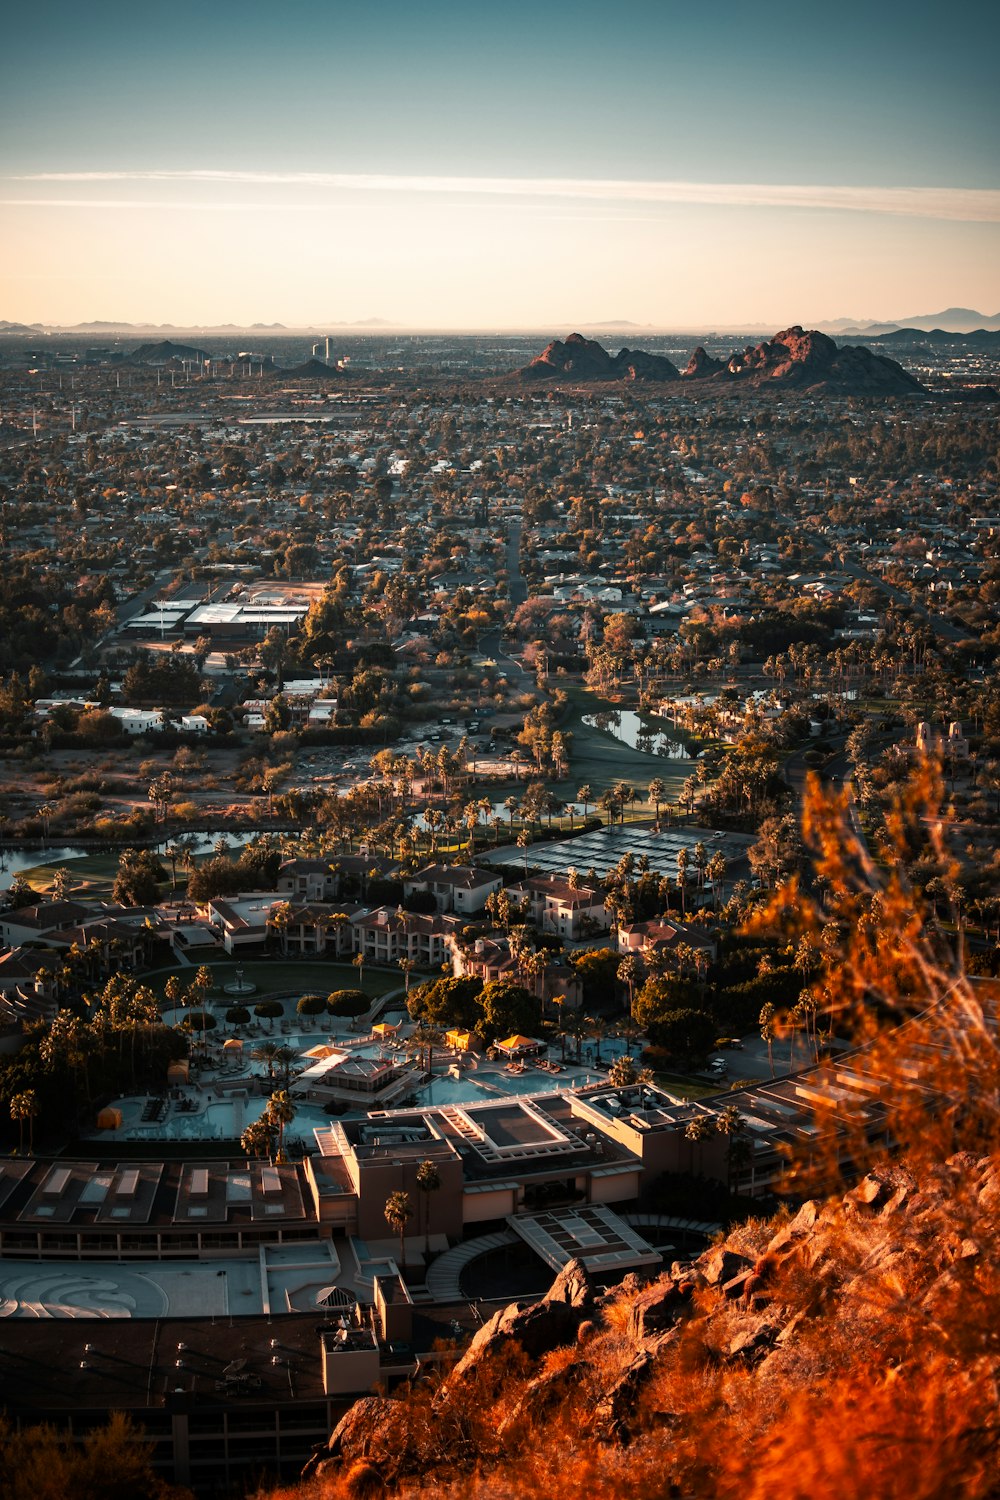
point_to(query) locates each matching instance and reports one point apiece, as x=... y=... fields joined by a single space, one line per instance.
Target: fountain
x=240 y=986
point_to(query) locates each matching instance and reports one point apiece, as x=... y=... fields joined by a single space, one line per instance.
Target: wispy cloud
x=966 y=204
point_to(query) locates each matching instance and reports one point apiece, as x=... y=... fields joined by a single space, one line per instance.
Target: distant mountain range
x=795 y=359
x=952 y=320
x=133 y=330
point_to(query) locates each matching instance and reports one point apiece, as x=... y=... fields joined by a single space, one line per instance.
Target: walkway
x=667 y=1221
x=444 y=1277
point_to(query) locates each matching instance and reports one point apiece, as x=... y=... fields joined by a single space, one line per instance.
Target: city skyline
x=483 y=168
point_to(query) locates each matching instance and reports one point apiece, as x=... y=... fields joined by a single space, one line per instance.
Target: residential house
x=462 y=889
x=556 y=906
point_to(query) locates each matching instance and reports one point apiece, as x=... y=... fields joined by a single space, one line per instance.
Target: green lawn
x=95 y=872
x=278 y=977
x=683 y=1087
x=600 y=760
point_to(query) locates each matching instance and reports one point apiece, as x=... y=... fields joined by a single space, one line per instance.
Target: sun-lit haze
x=519 y=165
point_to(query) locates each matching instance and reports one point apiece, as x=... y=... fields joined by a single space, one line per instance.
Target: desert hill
x=580 y=358
x=811 y=361
x=796 y=359
x=312 y=367
x=165 y=350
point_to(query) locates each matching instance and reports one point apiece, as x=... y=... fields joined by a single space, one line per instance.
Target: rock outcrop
x=581 y=359
x=796 y=359
x=701 y=365
x=807 y=360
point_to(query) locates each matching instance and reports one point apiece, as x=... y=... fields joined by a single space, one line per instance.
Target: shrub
x=347 y=1003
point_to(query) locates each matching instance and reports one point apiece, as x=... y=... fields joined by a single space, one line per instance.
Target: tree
x=282 y=1112
x=729 y=1122
x=428 y=1181
x=398 y=1210
x=697 y=1130
x=269 y=1010
x=508 y=1008
x=266 y=1052
x=683 y=1031
x=24 y=1106
x=311 y=1005
x=172 y=852
x=256 y=1139
x=628 y=973
x=407 y=965
x=768 y=1031
x=138 y=878
x=624 y=1074
x=347 y=1002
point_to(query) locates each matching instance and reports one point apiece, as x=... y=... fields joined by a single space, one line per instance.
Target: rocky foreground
x=853 y=1349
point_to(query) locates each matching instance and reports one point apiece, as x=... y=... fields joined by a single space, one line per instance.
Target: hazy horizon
x=457 y=168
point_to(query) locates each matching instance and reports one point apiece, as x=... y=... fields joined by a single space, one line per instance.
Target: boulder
x=720 y=1266
x=751 y=1344
x=537 y=1327
x=572 y=1286
x=657 y=1307
x=540 y=1395
x=375 y=1430
x=616 y=1404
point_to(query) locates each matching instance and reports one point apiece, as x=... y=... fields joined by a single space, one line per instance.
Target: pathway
x=444 y=1277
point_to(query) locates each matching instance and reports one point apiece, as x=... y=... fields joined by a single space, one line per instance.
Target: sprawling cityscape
x=499 y=878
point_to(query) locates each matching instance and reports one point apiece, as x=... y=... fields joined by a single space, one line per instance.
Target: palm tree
x=683 y=860
x=729 y=1122
x=282 y=1112
x=24 y=1106
x=768 y=1031
x=697 y=1129
x=284 y=1057
x=407 y=965
x=256 y=1139
x=428 y=1181
x=715 y=870
x=172 y=851
x=267 y=1052
x=398 y=1210
x=627 y=973
x=658 y=794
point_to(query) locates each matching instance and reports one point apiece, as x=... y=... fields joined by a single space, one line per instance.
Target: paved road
x=516 y=586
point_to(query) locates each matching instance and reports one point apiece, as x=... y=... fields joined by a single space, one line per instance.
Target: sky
x=543 y=165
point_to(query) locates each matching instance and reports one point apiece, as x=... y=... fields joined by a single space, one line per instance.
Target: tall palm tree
x=729 y=1122
x=172 y=851
x=428 y=1181
x=24 y=1106
x=282 y=1113
x=398 y=1210
x=627 y=973
x=768 y=1031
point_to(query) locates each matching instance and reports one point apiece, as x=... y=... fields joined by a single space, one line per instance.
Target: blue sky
x=445 y=164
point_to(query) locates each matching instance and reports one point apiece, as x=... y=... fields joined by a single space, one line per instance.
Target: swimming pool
x=215 y=1120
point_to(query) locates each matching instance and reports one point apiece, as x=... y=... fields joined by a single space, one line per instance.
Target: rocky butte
x=794 y=359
